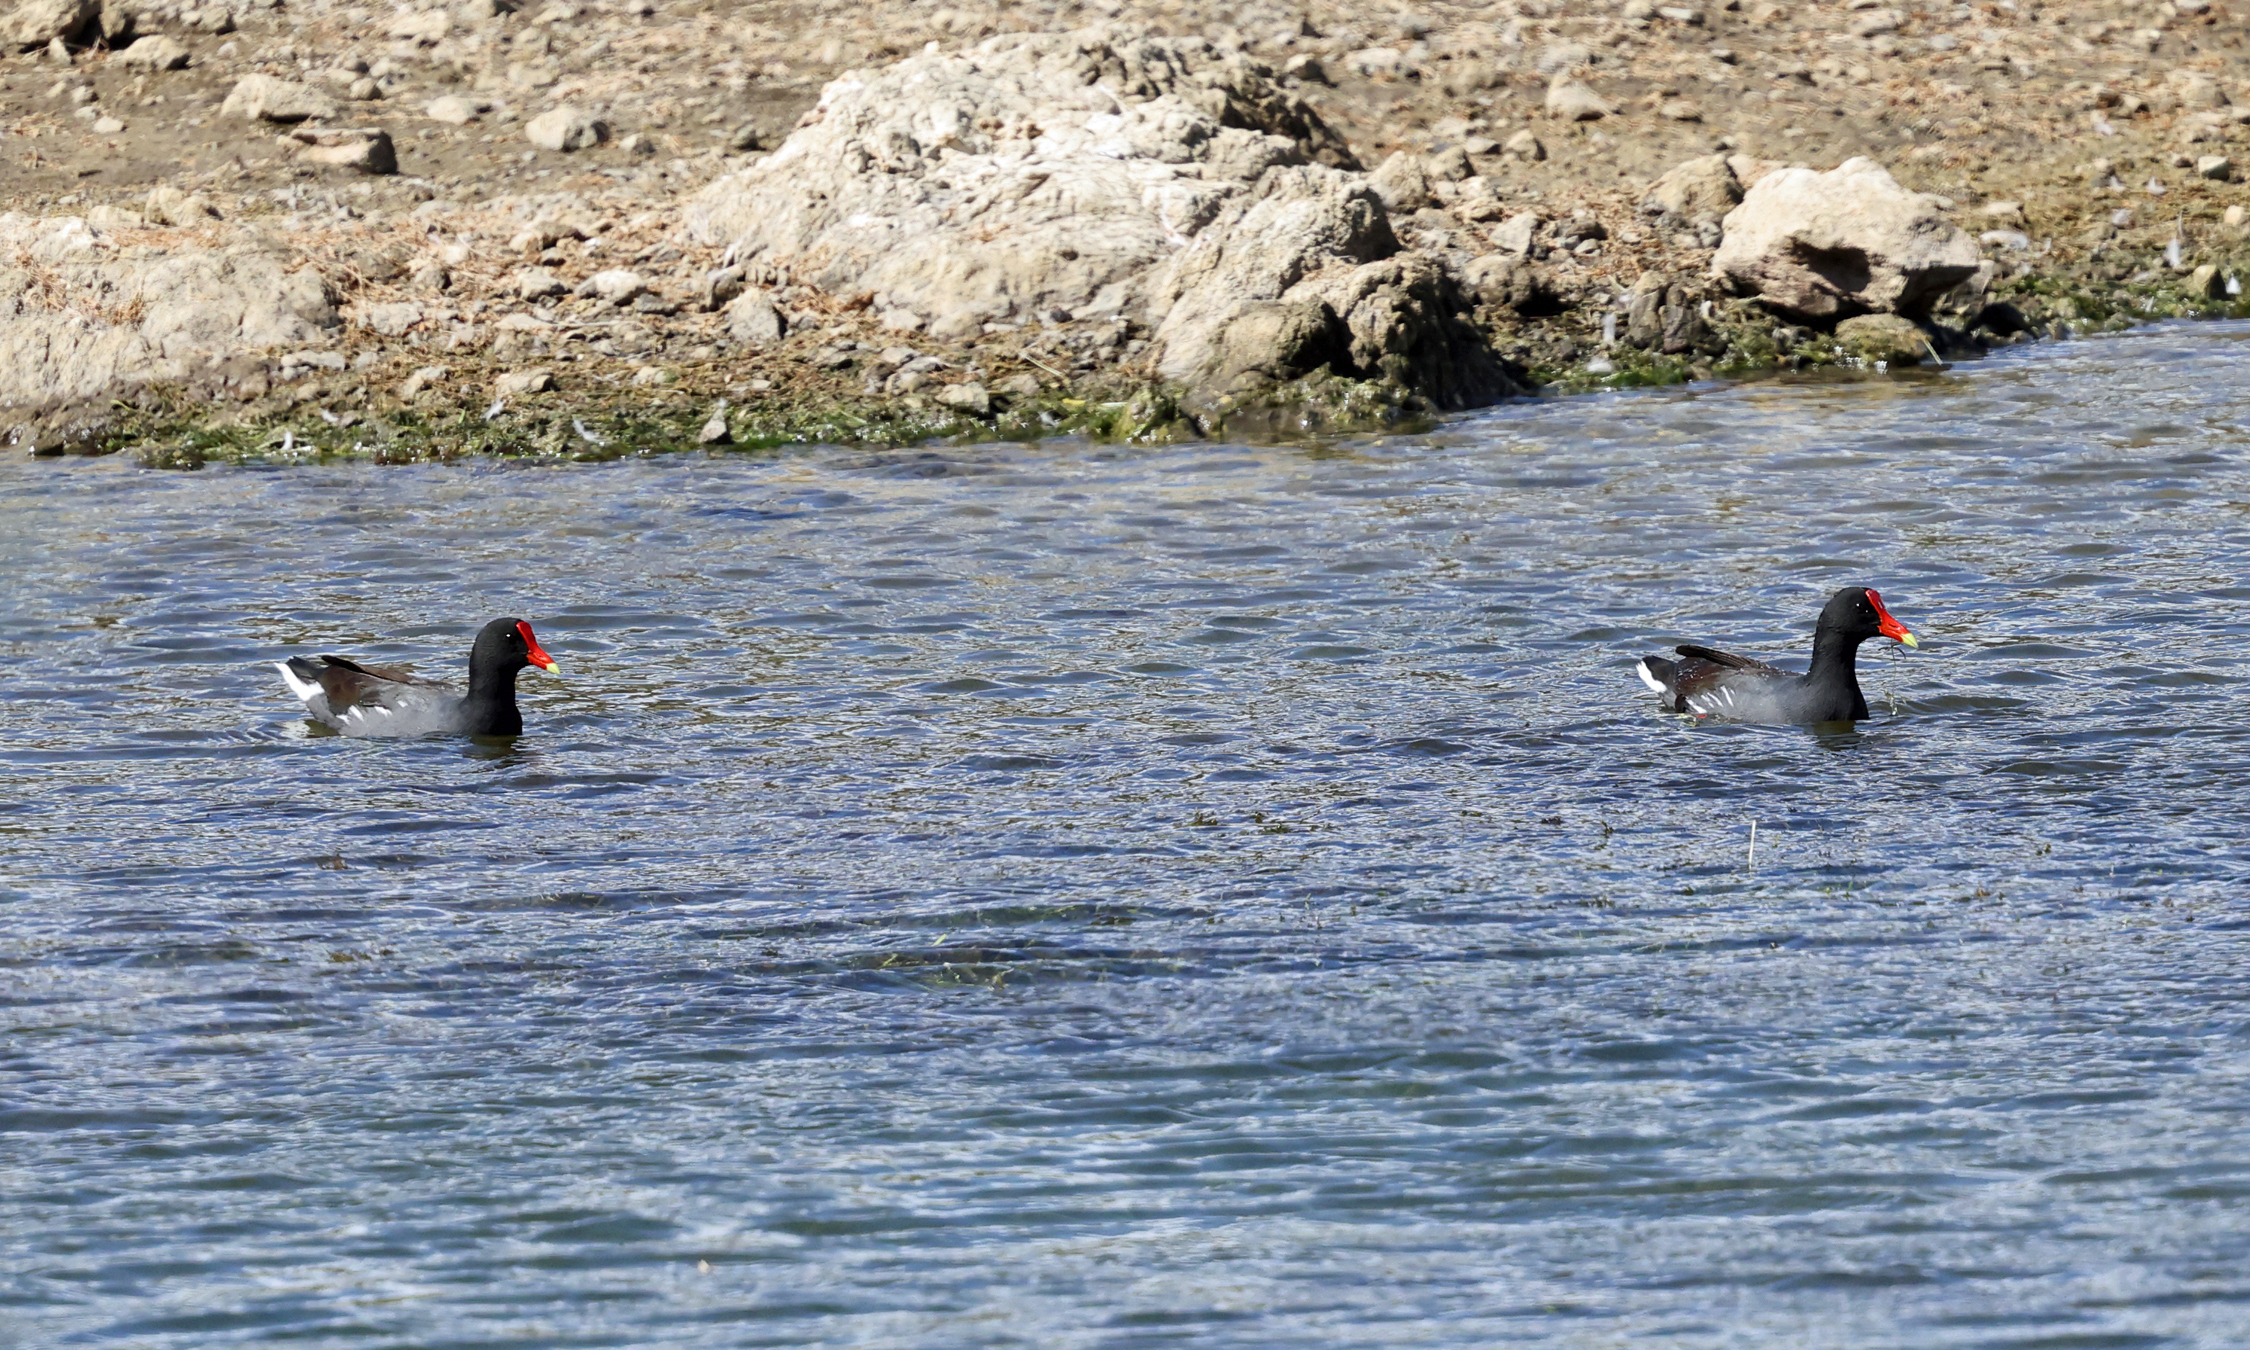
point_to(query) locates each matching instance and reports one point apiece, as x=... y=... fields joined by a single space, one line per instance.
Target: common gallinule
x=387 y=701
x=1717 y=684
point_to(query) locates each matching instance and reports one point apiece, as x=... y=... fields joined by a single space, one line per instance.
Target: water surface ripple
x=1078 y=896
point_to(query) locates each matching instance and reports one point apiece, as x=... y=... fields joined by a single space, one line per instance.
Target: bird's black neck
x=490 y=708
x=1835 y=668
x=1835 y=658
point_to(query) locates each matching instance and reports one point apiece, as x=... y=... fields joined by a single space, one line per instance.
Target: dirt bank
x=540 y=272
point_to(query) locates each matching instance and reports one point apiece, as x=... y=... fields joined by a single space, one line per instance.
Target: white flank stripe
x=305 y=690
x=308 y=692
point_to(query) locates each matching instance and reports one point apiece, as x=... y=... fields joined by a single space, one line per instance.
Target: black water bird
x=1712 y=683
x=361 y=700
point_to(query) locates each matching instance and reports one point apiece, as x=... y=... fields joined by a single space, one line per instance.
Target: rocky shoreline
x=291 y=230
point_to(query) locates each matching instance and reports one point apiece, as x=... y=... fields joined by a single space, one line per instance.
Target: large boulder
x=1029 y=173
x=82 y=324
x=1827 y=246
x=1166 y=182
x=35 y=23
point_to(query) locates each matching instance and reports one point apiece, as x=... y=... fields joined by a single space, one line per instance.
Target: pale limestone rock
x=2194 y=89
x=1029 y=173
x=1698 y=189
x=167 y=205
x=36 y=23
x=428 y=27
x=105 y=218
x=1100 y=173
x=1747 y=170
x=1402 y=183
x=1305 y=220
x=753 y=320
x=367 y=151
x=719 y=286
x=617 y=285
x=455 y=110
x=1850 y=241
x=1450 y=165
x=1306 y=274
x=515 y=384
x=103 y=325
x=545 y=234
x=968 y=397
x=274 y=100
x=1575 y=101
x=1516 y=233
x=1644 y=310
x=390 y=320
x=1503 y=279
x=155 y=52
x=1376 y=63
x=566 y=128
x=1557 y=57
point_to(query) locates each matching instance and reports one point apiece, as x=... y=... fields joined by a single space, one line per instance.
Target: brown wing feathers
x=1728 y=659
x=347 y=683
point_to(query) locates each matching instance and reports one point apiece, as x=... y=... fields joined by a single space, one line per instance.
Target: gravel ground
x=2079 y=139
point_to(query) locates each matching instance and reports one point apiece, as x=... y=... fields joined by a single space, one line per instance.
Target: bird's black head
x=1856 y=614
x=506 y=646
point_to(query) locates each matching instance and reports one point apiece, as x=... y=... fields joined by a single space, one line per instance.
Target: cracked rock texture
x=1027 y=174
x=80 y=320
x=1846 y=242
x=1160 y=182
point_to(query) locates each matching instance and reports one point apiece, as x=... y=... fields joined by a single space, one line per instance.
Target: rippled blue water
x=1075 y=896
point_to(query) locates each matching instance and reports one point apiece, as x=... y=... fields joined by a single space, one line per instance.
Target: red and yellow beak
x=1888 y=626
x=539 y=657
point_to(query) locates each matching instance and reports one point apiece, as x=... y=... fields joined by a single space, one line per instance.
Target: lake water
x=1083 y=896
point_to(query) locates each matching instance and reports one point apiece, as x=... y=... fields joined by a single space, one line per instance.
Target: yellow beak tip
x=1908 y=639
